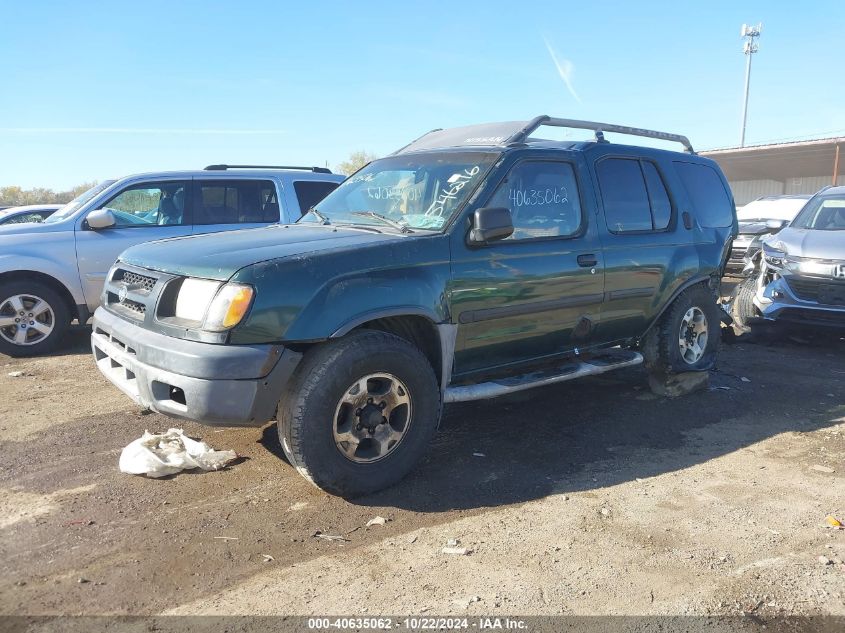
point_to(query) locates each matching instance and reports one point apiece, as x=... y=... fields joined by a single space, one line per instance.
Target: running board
x=599 y=364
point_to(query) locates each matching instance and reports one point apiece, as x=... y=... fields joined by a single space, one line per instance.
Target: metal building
x=781 y=168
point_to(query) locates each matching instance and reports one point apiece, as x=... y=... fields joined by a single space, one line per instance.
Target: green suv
x=471 y=263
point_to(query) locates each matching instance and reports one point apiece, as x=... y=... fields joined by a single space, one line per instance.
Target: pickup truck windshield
x=69 y=209
x=823 y=213
x=421 y=191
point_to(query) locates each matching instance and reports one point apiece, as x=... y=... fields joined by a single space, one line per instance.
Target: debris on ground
x=376 y=521
x=162 y=454
x=268 y=558
x=744 y=379
x=465 y=602
x=16 y=374
x=822 y=469
x=227 y=538
x=824 y=560
x=479 y=455
x=453 y=547
x=412 y=538
x=329 y=537
x=833 y=522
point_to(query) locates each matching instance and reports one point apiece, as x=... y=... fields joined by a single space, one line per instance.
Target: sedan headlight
x=214 y=306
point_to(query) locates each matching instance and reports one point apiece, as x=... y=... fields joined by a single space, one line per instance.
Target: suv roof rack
x=509 y=133
x=598 y=128
x=224 y=167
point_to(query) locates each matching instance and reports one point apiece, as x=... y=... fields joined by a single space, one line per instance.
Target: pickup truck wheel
x=687 y=336
x=33 y=318
x=359 y=412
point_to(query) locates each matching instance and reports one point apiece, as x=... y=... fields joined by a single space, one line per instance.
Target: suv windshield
x=68 y=210
x=823 y=213
x=421 y=191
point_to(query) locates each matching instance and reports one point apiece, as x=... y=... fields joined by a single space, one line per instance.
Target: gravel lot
x=591 y=497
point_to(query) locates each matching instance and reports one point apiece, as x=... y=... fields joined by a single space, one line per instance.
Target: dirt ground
x=591 y=497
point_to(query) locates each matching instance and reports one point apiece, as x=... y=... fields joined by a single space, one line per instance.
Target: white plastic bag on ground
x=159 y=455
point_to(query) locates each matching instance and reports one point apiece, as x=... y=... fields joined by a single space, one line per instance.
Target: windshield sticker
x=456 y=182
x=481 y=140
x=538 y=197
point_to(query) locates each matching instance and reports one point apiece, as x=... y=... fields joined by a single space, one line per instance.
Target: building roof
x=780 y=161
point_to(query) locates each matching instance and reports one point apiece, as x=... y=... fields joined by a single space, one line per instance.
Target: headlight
x=215 y=306
x=228 y=307
x=774 y=257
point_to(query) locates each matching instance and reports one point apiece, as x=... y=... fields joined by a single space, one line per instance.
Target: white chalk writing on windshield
x=455 y=183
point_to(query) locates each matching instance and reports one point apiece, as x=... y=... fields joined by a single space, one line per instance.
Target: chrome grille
x=135 y=280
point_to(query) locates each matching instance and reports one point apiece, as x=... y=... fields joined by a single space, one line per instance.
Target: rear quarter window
x=310 y=192
x=710 y=201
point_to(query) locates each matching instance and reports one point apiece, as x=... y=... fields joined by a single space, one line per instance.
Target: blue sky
x=97 y=90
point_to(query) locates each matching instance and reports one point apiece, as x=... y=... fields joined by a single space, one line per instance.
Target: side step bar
x=599 y=364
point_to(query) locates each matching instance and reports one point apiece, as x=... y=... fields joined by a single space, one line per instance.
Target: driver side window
x=543 y=200
x=149 y=204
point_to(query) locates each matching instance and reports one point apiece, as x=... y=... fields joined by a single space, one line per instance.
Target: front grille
x=135 y=281
x=818 y=291
x=134 y=306
x=737 y=254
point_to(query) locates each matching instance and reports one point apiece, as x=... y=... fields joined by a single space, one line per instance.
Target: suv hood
x=220 y=255
x=810 y=243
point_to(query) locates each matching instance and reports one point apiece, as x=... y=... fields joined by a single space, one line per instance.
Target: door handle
x=587 y=261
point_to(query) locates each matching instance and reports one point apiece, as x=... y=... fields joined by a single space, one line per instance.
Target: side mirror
x=776 y=225
x=490 y=223
x=101 y=219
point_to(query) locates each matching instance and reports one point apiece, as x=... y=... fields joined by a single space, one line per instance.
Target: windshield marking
x=457 y=181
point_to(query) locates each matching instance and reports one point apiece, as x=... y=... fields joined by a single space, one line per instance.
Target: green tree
x=355 y=161
x=14 y=196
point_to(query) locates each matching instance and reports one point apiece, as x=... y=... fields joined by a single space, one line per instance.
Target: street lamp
x=749 y=47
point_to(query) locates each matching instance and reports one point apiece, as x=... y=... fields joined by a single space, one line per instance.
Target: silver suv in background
x=801 y=275
x=52 y=273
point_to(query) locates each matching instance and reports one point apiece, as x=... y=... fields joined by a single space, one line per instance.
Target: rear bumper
x=224 y=385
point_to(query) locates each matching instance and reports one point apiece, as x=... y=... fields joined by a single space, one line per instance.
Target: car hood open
x=220 y=255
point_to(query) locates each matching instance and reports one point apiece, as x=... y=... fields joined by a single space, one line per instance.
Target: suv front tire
x=33 y=318
x=359 y=412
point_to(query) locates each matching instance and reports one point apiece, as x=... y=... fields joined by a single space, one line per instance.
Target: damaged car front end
x=799 y=274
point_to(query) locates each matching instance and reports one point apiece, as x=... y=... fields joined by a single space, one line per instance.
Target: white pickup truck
x=52 y=273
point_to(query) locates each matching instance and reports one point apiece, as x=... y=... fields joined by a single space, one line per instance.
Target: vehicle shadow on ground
x=610 y=429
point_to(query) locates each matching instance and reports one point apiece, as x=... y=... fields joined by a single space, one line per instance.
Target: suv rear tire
x=359 y=412
x=33 y=318
x=686 y=338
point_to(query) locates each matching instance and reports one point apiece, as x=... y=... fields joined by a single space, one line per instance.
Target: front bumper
x=781 y=301
x=222 y=385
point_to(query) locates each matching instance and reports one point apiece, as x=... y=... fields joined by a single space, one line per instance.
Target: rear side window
x=710 y=201
x=310 y=192
x=235 y=202
x=624 y=195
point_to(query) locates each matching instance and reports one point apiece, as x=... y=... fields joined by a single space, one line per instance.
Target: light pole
x=750 y=35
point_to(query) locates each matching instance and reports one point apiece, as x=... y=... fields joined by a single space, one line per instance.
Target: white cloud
x=565 y=69
x=132 y=130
